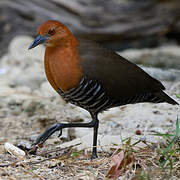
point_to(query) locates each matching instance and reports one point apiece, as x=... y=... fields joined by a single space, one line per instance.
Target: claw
x=60 y=133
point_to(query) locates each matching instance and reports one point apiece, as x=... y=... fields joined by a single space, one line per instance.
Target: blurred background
x=118 y=24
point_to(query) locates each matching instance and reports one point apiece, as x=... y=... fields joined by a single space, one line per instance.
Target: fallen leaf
x=119 y=162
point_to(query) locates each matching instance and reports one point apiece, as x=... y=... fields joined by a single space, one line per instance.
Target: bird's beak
x=39 y=40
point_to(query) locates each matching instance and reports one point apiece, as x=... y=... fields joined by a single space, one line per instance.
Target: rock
x=13 y=150
x=24 y=145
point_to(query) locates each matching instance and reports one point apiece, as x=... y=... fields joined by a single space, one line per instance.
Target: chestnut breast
x=62 y=67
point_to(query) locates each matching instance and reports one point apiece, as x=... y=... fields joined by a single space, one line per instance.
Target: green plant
x=169 y=154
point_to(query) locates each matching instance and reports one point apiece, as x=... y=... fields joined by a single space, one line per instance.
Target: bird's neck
x=62 y=65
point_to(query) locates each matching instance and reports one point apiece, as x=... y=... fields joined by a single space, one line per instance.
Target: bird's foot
x=94 y=155
x=44 y=136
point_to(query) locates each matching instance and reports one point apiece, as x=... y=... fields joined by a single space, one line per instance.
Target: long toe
x=44 y=136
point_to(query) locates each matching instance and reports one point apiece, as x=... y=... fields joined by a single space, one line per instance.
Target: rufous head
x=51 y=33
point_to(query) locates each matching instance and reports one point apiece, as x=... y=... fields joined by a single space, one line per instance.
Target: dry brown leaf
x=120 y=161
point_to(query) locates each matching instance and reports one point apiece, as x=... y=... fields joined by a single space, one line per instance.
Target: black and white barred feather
x=90 y=95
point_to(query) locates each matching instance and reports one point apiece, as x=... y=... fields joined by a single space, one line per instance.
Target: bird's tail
x=166 y=98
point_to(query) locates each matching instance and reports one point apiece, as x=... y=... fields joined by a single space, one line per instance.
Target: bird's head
x=51 y=33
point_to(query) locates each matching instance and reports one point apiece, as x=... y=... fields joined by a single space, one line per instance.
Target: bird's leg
x=96 y=125
x=59 y=126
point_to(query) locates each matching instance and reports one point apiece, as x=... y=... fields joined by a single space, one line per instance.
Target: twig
x=57 y=149
x=55 y=157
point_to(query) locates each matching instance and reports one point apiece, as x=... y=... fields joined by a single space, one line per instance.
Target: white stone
x=13 y=150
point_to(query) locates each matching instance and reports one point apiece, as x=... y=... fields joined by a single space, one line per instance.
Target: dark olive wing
x=119 y=77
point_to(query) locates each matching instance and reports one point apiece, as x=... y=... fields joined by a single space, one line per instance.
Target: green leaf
x=75 y=154
x=166 y=135
x=128 y=142
x=170 y=144
x=172 y=152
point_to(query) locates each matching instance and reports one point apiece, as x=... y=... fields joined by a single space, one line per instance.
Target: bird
x=86 y=74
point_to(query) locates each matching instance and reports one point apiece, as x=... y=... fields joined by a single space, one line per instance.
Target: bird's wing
x=119 y=77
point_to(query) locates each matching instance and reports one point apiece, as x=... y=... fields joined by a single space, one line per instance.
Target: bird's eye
x=51 y=32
